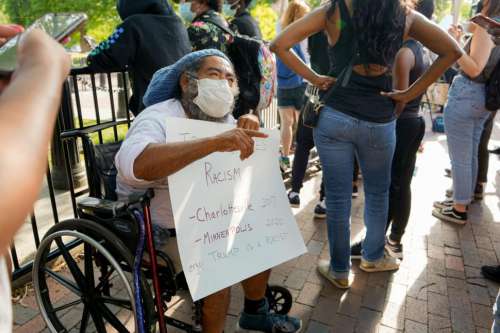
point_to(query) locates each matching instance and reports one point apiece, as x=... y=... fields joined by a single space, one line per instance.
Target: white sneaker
x=386 y=263
x=326 y=272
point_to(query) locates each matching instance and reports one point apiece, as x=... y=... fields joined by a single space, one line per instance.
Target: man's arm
x=28 y=109
x=403 y=64
x=116 y=52
x=158 y=161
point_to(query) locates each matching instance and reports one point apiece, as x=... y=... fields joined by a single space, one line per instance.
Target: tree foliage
x=102 y=13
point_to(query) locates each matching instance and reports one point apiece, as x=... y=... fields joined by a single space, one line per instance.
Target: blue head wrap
x=165 y=82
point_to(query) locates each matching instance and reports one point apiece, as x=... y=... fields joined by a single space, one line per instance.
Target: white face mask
x=215 y=97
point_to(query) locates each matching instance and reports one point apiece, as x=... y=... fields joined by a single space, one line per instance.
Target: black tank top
x=412 y=107
x=360 y=98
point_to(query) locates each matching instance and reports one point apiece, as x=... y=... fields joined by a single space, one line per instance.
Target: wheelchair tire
x=98 y=310
x=279 y=298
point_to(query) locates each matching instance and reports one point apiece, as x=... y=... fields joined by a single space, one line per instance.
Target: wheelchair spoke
x=64 y=282
x=97 y=319
x=104 y=279
x=65 y=306
x=123 y=303
x=111 y=318
x=85 y=319
x=89 y=267
x=72 y=265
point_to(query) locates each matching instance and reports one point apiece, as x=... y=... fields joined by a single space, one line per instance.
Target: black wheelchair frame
x=109 y=230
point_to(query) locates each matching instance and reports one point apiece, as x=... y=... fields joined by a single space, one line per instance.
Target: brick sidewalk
x=438 y=288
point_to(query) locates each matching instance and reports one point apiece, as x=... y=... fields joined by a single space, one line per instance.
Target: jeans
x=338 y=138
x=464 y=119
x=496 y=316
x=409 y=135
x=484 y=154
x=305 y=142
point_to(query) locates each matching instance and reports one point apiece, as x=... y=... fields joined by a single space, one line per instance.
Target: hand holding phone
x=7 y=31
x=57 y=26
x=485 y=22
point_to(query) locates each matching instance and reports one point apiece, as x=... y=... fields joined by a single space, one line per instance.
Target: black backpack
x=492 y=101
x=256 y=69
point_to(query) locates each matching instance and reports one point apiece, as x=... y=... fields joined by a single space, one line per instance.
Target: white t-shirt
x=148 y=127
x=5 y=299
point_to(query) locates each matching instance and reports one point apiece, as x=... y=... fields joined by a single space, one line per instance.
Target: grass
x=108 y=135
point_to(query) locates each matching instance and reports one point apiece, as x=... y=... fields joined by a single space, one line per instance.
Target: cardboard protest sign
x=232 y=217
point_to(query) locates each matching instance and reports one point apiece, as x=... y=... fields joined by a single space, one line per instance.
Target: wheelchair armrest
x=101 y=207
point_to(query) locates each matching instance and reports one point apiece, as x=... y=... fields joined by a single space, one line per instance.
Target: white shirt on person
x=150 y=126
x=5 y=299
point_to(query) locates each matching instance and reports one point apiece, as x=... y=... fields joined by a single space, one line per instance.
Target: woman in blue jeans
x=465 y=115
x=358 y=118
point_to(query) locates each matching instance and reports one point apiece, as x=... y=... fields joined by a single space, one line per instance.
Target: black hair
x=426 y=8
x=379 y=26
x=215 y=5
x=493 y=8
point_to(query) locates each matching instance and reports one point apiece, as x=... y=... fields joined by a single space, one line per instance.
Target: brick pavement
x=438 y=288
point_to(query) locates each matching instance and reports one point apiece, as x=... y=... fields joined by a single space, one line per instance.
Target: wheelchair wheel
x=280 y=299
x=98 y=293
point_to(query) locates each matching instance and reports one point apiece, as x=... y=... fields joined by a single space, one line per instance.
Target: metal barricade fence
x=84 y=104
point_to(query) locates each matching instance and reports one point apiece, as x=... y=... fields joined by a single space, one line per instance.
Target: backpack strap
x=221 y=27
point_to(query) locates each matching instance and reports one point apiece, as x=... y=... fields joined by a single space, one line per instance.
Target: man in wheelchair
x=202 y=85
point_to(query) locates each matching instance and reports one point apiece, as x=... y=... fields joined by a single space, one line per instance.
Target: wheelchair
x=103 y=294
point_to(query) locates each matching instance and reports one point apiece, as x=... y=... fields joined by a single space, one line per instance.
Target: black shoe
x=443 y=204
x=320 y=210
x=479 y=192
x=294 y=199
x=495 y=151
x=356 y=250
x=355 y=192
x=395 y=249
x=449 y=214
x=447 y=172
x=491 y=273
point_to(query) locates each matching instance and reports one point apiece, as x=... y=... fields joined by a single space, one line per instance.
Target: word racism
x=220 y=177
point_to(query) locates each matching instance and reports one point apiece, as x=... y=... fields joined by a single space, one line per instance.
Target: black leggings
x=483 y=153
x=409 y=135
x=305 y=142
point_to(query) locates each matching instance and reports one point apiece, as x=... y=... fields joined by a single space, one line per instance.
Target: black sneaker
x=320 y=210
x=495 y=151
x=443 y=204
x=449 y=214
x=447 y=173
x=294 y=199
x=395 y=249
x=491 y=273
x=356 y=250
x=355 y=192
x=479 y=192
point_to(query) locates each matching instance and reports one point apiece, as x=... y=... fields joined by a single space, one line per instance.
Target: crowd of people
x=366 y=57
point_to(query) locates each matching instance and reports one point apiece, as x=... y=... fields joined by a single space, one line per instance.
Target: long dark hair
x=379 y=26
x=493 y=8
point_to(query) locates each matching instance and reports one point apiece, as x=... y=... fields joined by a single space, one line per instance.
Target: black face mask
x=479 y=7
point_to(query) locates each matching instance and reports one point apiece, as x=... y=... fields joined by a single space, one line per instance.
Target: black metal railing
x=86 y=102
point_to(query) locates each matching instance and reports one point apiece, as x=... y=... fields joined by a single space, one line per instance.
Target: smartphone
x=58 y=26
x=485 y=22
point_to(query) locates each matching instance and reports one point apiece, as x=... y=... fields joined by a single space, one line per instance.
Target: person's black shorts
x=291 y=98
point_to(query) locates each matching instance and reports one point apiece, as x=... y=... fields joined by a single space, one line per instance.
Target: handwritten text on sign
x=232 y=218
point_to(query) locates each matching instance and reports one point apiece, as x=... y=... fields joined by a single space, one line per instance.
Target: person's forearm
x=434 y=72
x=468 y=66
x=158 y=161
x=294 y=62
x=28 y=108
